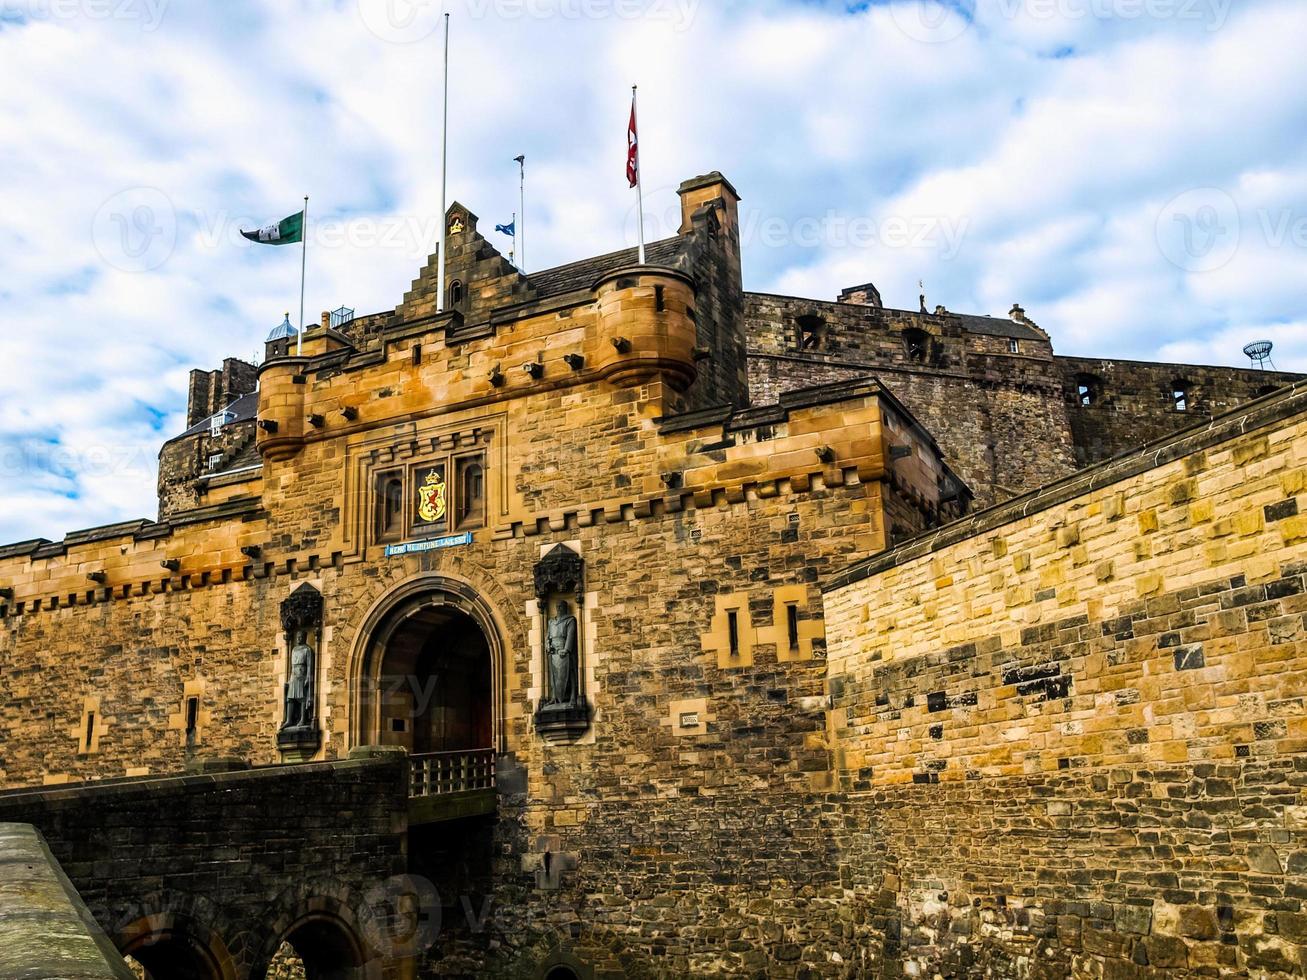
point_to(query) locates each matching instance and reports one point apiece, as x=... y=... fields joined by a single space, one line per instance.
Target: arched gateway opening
x=428 y=674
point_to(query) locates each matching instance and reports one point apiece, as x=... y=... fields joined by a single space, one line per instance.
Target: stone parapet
x=46 y=931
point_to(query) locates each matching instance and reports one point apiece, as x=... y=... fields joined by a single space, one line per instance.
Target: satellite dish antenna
x=1259 y=352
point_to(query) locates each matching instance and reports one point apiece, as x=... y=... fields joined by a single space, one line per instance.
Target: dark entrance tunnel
x=433 y=691
x=175 y=953
x=328 y=949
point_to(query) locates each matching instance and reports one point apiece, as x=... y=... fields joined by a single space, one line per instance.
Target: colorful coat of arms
x=432 y=498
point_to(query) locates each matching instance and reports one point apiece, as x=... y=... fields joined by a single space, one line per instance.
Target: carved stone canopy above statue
x=303 y=610
x=561 y=572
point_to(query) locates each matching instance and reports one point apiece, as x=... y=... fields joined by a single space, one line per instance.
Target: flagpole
x=304 y=268
x=444 y=181
x=520 y=242
x=639 y=171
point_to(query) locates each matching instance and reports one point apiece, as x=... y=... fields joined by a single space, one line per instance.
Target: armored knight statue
x=560 y=648
x=299 y=689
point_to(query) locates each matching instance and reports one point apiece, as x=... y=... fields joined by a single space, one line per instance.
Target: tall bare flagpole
x=304 y=268
x=639 y=172
x=521 y=216
x=444 y=181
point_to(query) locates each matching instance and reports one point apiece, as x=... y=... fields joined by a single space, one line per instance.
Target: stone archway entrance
x=166 y=946
x=428 y=674
x=434 y=684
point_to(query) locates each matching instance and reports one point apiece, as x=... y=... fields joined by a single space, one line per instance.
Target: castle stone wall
x=233 y=861
x=1133 y=402
x=1008 y=420
x=1080 y=716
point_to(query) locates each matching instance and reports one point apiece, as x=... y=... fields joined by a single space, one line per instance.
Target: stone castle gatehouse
x=722 y=632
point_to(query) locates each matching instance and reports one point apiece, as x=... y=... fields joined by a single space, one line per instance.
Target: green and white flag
x=288 y=231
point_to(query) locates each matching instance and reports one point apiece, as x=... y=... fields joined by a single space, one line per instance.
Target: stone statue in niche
x=563 y=713
x=299 y=689
x=560 y=646
x=301 y=620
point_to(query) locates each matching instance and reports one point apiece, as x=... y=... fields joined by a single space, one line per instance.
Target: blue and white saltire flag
x=509 y=229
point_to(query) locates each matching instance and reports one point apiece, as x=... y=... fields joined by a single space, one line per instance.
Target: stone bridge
x=206 y=875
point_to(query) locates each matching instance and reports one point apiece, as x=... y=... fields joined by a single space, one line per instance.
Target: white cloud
x=1053 y=170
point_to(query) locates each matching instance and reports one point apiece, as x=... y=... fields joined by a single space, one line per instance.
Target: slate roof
x=244 y=460
x=582 y=275
x=245 y=408
x=994 y=326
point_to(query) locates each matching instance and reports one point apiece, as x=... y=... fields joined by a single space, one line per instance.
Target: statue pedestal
x=563 y=723
x=298 y=744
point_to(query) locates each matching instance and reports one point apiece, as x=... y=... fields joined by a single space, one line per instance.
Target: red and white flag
x=633 y=150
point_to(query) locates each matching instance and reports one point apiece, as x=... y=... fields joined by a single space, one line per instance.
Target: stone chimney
x=864 y=295
x=700 y=191
x=211 y=391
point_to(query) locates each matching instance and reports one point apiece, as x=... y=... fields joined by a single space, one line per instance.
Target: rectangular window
x=660 y=298
x=1014 y=346
x=471 y=492
x=733 y=625
x=215 y=462
x=792 y=614
x=192 y=716
x=390 y=507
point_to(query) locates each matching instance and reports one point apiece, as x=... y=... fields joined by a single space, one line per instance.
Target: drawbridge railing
x=447 y=773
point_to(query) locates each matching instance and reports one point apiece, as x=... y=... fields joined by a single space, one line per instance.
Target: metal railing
x=443 y=773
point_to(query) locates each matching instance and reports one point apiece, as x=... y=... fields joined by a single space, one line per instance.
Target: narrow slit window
x=90 y=730
x=192 y=716
x=660 y=298
x=792 y=617
x=733 y=626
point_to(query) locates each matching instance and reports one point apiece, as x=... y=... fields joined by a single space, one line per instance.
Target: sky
x=1131 y=171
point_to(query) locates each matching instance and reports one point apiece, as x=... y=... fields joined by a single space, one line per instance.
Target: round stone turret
x=646 y=326
x=281 y=402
